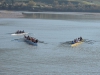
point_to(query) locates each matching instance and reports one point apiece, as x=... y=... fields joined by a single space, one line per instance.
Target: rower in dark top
x=36 y=40
x=81 y=39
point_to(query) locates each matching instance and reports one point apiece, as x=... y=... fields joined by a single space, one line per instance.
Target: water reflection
x=62 y=16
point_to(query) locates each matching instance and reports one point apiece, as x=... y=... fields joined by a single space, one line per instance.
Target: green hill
x=96 y=2
x=86 y=2
x=52 y=5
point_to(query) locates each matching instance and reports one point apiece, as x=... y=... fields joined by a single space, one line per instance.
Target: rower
x=23 y=31
x=81 y=39
x=20 y=31
x=17 y=31
x=36 y=40
x=78 y=39
x=28 y=37
x=72 y=42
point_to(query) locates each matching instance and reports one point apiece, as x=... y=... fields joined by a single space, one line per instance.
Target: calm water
x=54 y=56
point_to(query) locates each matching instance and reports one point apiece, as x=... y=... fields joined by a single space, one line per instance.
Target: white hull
x=19 y=34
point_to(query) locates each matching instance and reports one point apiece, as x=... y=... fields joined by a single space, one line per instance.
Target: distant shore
x=19 y=14
x=10 y=14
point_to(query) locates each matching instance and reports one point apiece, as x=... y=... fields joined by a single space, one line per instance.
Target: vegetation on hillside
x=52 y=5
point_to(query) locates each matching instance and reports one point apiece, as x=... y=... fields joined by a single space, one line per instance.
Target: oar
x=89 y=41
x=10 y=33
x=41 y=42
x=67 y=42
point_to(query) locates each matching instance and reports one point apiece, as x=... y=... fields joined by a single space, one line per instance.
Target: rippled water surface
x=53 y=55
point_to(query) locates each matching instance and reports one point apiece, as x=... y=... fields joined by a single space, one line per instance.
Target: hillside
x=96 y=2
x=52 y=5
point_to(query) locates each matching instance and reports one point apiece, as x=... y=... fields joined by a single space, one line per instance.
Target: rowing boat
x=30 y=42
x=19 y=33
x=76 y=44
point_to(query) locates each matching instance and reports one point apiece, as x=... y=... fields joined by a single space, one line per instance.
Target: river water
x=53 y=55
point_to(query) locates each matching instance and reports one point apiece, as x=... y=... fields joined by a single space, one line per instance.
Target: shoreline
x=10 y=14
x=21 y=14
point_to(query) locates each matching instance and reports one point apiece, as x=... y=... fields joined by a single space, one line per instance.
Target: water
x=54 y=56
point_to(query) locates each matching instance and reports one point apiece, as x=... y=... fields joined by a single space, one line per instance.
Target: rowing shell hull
x=19 y=34
x=76 y=44
x=30 y=42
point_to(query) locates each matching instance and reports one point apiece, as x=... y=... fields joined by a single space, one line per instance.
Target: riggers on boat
x=19 y=32
x=30 y=40
x=77 y=42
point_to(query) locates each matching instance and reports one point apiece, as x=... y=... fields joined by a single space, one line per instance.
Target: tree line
x=52 y=5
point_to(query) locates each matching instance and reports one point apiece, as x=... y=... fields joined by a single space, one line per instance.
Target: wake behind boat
x=19 y=33
x=30 y=40
x=77 y=42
